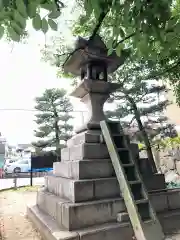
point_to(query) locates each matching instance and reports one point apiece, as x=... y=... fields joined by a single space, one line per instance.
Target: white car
x=23 y=165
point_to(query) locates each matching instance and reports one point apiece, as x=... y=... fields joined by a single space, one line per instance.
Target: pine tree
x=134 y=90
x=53 y=118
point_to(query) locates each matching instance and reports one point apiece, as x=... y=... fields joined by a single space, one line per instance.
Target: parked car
x=10 y=161
x=23 y=165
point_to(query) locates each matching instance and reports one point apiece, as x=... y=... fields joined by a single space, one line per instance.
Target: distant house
x=3 y=149
x=24 y=149
x=23 y=146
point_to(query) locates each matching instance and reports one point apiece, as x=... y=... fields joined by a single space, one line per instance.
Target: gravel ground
x=13 y=222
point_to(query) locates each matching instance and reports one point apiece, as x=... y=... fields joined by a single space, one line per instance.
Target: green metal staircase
x=143 y=218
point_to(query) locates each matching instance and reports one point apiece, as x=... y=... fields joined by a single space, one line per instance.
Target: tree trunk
x=144 y=134
x=57 y=137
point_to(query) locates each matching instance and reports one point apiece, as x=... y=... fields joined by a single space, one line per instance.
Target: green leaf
x=1 y=31
x=1 y=5
x=52 y=24
x=44 y=25
x=82 y=20
x=96 y=8
x=37 y=22
x=48 y=6
x=110 y=51
x=13 y=35
x=32 y=6
x=16 y=28
x=110 y=43
x=54 y=14
x=19 y=19
x=88 y=7
x=2 y=16
x=121 y=32
x=21 y=8
x=118 y=49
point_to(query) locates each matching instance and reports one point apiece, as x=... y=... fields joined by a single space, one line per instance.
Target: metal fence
x=22 y=179
x=39 y=167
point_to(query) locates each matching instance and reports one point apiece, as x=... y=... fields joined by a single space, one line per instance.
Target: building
x=24 y=150
x=3 y=148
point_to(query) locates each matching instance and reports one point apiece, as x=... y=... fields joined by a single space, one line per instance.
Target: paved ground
x=8 y=183
x=13 y=222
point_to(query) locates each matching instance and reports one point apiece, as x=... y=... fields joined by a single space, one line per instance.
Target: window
x=23 y=162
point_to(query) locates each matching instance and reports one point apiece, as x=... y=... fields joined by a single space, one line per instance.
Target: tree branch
x=163 y=72
x=96 y=29
x=131 y=121
x=124 y=39
x=98 y=25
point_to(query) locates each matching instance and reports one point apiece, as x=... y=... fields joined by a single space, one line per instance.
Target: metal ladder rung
x=134 y=182
x=122 y=149
x=142 y=201
x=128 y=165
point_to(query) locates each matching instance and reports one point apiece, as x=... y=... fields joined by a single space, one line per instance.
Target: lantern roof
x=87 y=50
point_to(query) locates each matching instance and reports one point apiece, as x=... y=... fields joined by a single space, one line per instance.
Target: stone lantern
x=81 y=200
x=91 y=62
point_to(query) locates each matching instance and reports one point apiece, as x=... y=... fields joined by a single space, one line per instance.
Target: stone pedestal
x=82 y=200
x=93 y=94
x=82 y=197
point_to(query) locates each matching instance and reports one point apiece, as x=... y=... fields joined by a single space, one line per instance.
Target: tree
x=139 y=19
x=134 y=90
x=14 y=15
x=148 y=29
x=53 y=118
x=144 y=26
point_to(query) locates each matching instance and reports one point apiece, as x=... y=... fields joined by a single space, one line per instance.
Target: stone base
x=74 y=216
x=82 y=199
x=95 y=173
x=94 y=189
x=49 y=230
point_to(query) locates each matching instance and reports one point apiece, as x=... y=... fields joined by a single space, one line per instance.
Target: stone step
x=83 y=190
x=88 y=189
x=73 y=216
x=89 y=136
x=85 y=151
x=87 y=169
x=90 y=151
x=100 y=168
x=85 y=137
x=49 y=229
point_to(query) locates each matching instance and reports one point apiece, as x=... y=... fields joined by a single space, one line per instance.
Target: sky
x=24 y=76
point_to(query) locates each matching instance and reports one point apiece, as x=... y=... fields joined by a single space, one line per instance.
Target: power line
x=33 y=110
